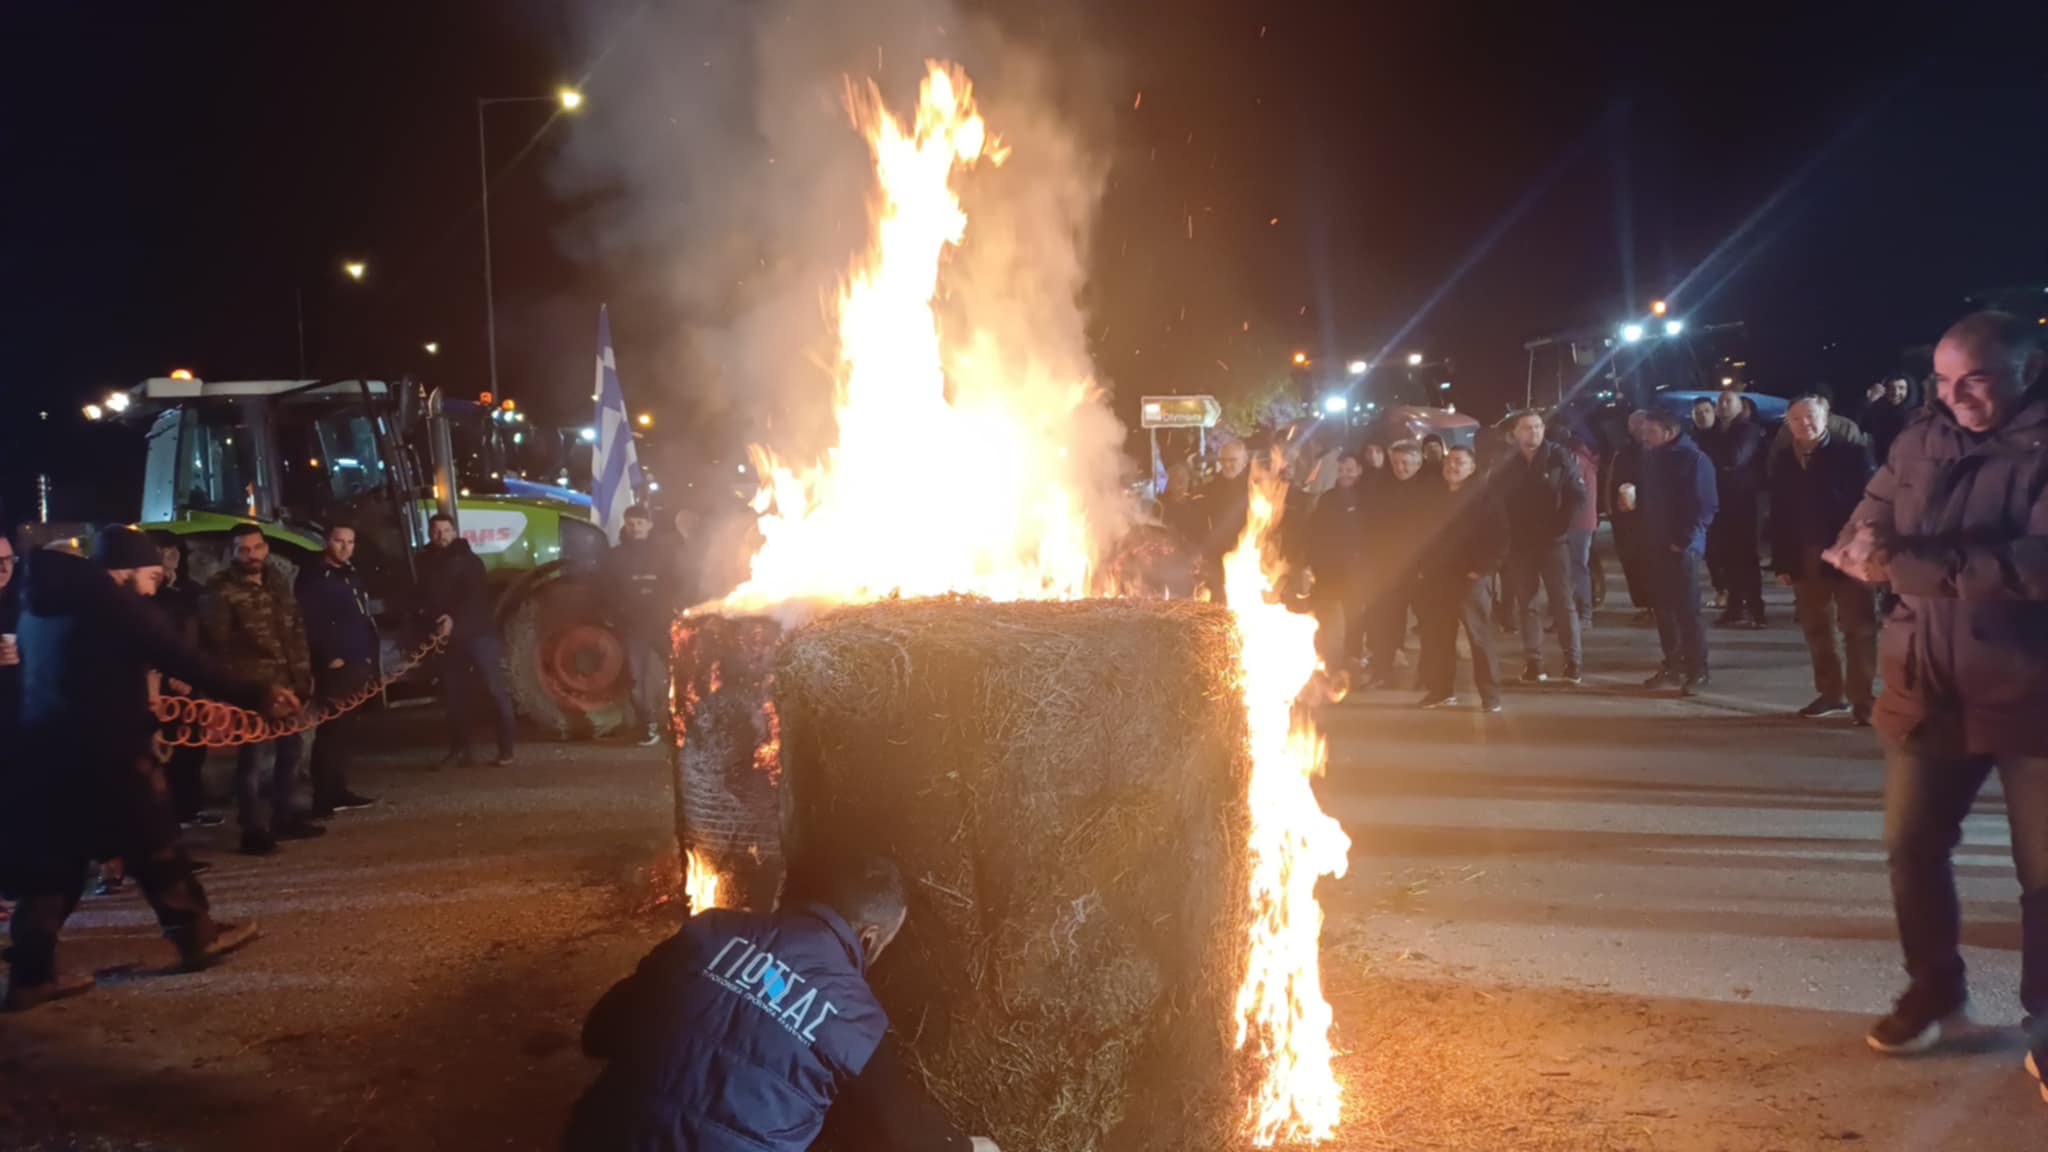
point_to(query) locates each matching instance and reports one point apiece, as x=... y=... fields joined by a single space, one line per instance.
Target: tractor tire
x=566 y=668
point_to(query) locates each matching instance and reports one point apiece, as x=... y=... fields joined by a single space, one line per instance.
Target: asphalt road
x=1602 y=920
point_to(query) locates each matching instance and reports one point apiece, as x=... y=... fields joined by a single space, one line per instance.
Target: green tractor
x=294 y=456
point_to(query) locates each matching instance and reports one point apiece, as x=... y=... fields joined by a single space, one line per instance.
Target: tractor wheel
x=566 y=669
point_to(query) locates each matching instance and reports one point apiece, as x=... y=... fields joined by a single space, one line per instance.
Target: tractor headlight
x=583 y=543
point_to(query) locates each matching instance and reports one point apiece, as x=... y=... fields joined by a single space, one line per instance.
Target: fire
x=1281 y=1010
x=952 y=473
x=700 y=883
x=925 y=492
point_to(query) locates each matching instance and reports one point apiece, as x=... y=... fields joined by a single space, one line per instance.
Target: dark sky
x=1449 y=176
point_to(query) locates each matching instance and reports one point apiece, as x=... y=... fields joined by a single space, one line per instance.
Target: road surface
x=1599 y=921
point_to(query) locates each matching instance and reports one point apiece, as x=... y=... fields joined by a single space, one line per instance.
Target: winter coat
x=1884 y=421
x=1677 y=496
x=1811 y=503
x=256 y=629
x=1471 y=536
x=1226 y=504
x=87 y=648
x=336 y=611
x=1543 y=495
x=1398 y=527
x=642 y=587
x=1588 y=521
x=1965 y=654
x=734 y=1035
x=1738 y=453
x=452 y=584
x=1336 y=538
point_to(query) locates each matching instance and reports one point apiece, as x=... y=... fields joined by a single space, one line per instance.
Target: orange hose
x=190 y=722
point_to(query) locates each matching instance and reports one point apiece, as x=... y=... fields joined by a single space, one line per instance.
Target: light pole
x=569 y=99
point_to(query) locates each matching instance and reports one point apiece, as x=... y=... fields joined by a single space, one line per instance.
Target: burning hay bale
x=726 y=766
x=1065 y=788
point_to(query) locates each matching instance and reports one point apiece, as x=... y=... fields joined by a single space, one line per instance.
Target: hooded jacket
x=1965 y=654
x=87 y=647
x=735 y=1035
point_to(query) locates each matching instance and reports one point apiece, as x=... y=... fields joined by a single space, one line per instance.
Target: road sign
x=1179 y=412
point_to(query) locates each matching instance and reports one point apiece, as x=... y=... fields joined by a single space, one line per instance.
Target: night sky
x=1453 y=177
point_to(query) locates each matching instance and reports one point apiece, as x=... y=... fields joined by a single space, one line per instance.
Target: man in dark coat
x=1624 y=483
x=1336 y=559
x=642 y=594
x=1678 y=498
x=178 y=600
x=87 y=786
x=1455 y=586
x=1737 y=450
x=1396 y=530
x=1815 y=484
x=341 y=637
x=455 y=603
x=1225 y=503
x=250 y=619
x=1957 y=521
x=741 y=1032
x=1540 y=486
x=1885 y=416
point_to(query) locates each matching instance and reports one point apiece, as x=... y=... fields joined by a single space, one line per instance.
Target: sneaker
x=203 y=820
x=1533 y=674
x=1918 y=1020
x=1434 y=701
x=1757 y=621
x=1663 y=678
x=197 y=951
x=108 y=885
x=1861 y=715
x=258 y=844
x=301 y=830
x=1730 y=619
x=1720 y=599
x=22 y=997
x=351 y=802
x=1693 y=684
x=199 y=867
x=1492 y=706
x=1823 y=707
x=504 y=760
x=455 y=760
x=1571 y=676
x=652 y=739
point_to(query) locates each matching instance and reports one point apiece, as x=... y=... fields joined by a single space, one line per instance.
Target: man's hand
x=443 y=627
x=280 y=702
x=334 y=663
x=1864 y=558
x=177 y=687
x=983 y=1144
x=1785 y=578
x=1677 y=548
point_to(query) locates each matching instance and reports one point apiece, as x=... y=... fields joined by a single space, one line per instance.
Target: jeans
x=473 y=666
x=1925 y=799
x=51 y=882
x=649 y=664
x=1732 y=555
x=1579 y=550
x=1680 y=629
x=1550 y=567
x=334 y=745
x=1450 y=608
x=1818 y=602
x=284 y=770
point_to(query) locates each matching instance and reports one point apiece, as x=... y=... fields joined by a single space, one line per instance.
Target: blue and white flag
x=615 y=474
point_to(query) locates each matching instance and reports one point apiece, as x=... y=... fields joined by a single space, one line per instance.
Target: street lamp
x=355 y=270
x=645 y=420
x=1300 y=358
x=1415 y=359
x=1357 y=367
x=1658 y=307
x=433 y=347
x=569 y=100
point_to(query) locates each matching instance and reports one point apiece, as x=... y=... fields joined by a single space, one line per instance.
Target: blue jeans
x=255 y=818
x=1549 y=567
x=1926 y=797
x=1579 y=549
x=1675 y=583
x=474 y=666
x=649 y=665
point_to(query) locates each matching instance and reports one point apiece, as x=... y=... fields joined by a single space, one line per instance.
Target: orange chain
x=190 y=722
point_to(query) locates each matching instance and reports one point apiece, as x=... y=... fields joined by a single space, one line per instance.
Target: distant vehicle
x=1413 y=422
x=294 y=456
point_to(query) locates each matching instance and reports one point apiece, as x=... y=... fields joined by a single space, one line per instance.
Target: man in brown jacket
x=1957 y=522
x=251 y=622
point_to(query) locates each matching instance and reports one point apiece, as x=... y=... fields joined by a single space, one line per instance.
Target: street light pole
x=569 y=99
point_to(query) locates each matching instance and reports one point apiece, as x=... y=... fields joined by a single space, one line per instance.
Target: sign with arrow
x=1179 y=412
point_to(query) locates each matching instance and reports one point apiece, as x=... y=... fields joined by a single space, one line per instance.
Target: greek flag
x=615 y=474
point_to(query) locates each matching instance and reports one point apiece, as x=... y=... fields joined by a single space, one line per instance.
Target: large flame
x=951 y=473
x=925 y=493
x=1282 y=1014
x=700 y=883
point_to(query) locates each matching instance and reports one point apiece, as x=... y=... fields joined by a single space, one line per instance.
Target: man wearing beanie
x=88 y=787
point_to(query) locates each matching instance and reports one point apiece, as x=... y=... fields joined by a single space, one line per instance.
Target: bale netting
x=1064 y=786
x=726 y=761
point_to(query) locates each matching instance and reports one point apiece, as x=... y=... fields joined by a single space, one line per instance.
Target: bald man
x=1957 y=522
